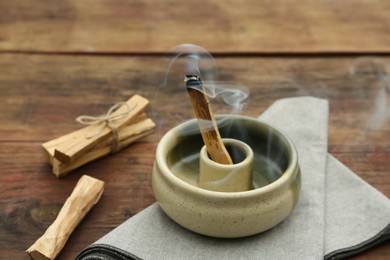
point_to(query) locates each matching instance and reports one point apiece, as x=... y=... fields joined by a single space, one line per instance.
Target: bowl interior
x=271 y=150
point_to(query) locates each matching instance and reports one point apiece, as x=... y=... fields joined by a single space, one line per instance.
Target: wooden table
x=62 y=59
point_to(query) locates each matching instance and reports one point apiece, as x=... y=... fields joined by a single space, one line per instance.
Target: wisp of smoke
x=171 y=104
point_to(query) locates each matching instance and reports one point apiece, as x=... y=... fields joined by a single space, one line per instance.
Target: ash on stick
x=206 y=121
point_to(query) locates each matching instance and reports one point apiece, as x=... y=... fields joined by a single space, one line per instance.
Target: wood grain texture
x=41 y=95
x=206 y=121
x=77 y=145
x=85 y=195
x=139 y=26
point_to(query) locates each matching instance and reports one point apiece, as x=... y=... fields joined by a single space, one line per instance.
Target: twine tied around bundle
x=106 y=121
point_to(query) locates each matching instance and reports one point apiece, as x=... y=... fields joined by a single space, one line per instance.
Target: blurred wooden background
x=60 y=59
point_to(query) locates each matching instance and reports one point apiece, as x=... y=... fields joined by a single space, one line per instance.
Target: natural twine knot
x=106 y=120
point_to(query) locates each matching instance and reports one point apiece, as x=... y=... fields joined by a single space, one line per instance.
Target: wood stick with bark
x=206 y=121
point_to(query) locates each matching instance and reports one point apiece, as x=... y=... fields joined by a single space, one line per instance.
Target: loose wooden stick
x=76 y=144
x=84 y=196
x=208 y=127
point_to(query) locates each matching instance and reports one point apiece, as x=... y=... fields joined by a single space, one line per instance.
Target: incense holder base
x=227 y=177
x=274 y=189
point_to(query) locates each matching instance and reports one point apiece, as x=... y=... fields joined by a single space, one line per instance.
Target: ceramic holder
x=227 y=177
x=274 y=190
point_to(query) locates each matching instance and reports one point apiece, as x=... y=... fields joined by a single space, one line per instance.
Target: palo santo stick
x=84 y=196
x=208 y=127
x=50 y=146
x=129 y=131
x=61 y=169
x=128 y=135
x=76 y=144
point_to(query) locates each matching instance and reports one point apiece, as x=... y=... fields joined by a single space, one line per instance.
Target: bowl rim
x=173 y=179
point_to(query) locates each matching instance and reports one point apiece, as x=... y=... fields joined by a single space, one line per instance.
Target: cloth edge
x=379 y=238
x=105 y=252
x=108 y=252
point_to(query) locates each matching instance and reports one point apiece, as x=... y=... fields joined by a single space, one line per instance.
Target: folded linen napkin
x=337 y=215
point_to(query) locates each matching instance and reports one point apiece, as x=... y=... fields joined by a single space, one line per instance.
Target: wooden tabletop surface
x=62 y=59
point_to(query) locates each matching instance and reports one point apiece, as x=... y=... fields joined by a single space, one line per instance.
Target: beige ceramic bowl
x=275 y=183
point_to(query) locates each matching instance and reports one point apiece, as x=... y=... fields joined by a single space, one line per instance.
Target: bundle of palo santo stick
x=109 y=133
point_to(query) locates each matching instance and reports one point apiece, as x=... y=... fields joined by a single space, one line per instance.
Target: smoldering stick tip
x=191 y=78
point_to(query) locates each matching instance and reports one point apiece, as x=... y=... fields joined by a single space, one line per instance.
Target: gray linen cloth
x=338 y=214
